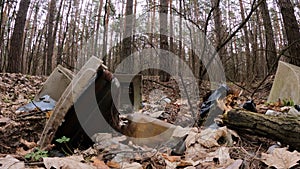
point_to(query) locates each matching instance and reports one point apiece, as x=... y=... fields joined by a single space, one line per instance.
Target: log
x=285 y=129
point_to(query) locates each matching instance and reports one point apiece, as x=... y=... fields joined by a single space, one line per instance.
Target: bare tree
x=247 y=44
x=16 y=44
x=127 y=39
x=163 y=20
x=96 y=50
x=270 y=43
x=50 y=38
x=291 y=29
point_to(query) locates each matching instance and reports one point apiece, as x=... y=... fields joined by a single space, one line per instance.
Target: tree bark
x=57 y=21
x=270 y=52
x=96 y=50
x=163 y=62
x=127 y=38
x=217 y=17
x=247 y=43
x=105 y=23
x=16 y=43
x=64 y=36
x=50 y=39
x=283 y=129
x=291 y=29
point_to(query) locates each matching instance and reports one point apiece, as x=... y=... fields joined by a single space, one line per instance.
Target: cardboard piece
x=286 y=84
x=56 y=83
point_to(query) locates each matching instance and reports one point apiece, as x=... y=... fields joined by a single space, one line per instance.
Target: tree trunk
x=96 y=50
x=292 y=30
x=105 y=23
x=16 y=43
x=152 y=36
x=127 y=38
x=50 y=39
x=270 y=43
x=163 y=62
x=57 y=21
x=247 y=43
x=181 y=56
x=63 y=39
x=218 y=25
x=283 y=129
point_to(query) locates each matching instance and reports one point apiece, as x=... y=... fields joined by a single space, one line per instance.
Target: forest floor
x=21 y=131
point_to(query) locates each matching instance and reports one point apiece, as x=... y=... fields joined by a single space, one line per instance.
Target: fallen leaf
x=183 y=164
x=131 y=166
x=236 y=164
x=281 y=158
x=196 y=152
x=222 y=154
x=171 y=158
x=10 y=162
x=4 y=121
x=28 y=144
x=113 y=164
x=192 y=137
x=171 y=165
x=99 y=164
x=66 y=163
x=209 y=137
x=20 y=151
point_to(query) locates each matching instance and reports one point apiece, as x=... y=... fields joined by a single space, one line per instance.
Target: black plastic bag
x=209 y=109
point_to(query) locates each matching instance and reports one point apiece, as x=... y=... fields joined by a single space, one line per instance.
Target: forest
x=250 y=37
x=178 y=84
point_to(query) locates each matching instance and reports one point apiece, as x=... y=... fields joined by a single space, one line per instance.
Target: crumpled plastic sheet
x=45 y=103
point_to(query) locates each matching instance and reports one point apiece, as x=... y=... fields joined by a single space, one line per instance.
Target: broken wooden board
x=286 y=84
x=68 y=98
x=56 y=83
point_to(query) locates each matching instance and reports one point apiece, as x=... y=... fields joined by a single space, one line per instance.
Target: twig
x=35 y=105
